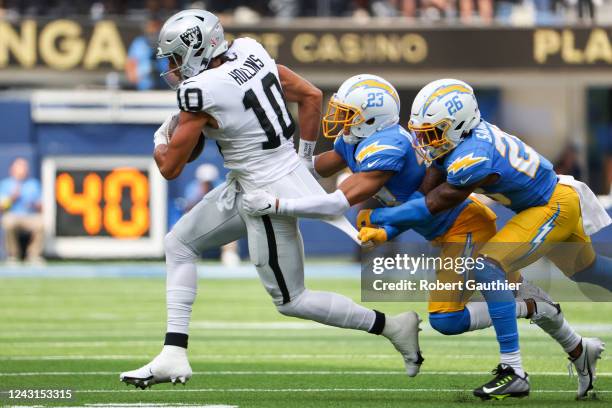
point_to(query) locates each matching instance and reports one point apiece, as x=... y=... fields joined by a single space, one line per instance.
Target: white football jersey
x=255 y=134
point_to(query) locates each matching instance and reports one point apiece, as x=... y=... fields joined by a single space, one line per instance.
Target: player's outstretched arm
x=172 y=156
x=363 y=185
x=443 y=197
x=329 y=163
x=355 y=189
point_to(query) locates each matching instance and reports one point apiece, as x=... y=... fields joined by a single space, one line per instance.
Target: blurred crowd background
x=249 y=12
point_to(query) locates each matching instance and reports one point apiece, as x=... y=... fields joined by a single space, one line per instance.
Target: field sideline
x=80 y=334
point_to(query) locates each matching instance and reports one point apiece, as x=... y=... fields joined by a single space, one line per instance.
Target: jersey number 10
x=250 y=101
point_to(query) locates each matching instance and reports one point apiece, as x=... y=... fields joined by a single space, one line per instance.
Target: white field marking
x=211 y=339
x=148 y=404
x=407 y=390
x=119 y=334
x=257 y=357
x=274 y=373
x=229 y=325
x=142 y=405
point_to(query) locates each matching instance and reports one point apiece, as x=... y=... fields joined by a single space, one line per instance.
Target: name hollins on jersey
x=250 y=67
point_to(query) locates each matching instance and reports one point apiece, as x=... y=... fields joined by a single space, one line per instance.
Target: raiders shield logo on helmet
x=192 y=37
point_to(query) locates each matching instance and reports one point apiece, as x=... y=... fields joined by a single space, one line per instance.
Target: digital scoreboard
x=103 y=207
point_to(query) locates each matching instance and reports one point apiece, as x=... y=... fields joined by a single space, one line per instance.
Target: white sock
x=513 y=360
x=181 y=284
x=521 y=309
x=480 y=318
x=179 y=300
x=560 y=330
x=329 y=308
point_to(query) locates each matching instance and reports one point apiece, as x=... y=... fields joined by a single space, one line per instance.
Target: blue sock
x=502 y=307
x=450 y=323
x=599 y=273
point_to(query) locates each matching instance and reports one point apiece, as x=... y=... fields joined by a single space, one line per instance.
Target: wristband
x=306 y=148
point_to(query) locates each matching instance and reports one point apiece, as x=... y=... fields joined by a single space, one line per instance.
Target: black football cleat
x=505 y=384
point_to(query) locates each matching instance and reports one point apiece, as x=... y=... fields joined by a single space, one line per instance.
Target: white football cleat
x=545 y=307
x=171 y=365
x=586 y=364
x=403 y=332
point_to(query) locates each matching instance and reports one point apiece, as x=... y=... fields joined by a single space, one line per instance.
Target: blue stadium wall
x=20 y=136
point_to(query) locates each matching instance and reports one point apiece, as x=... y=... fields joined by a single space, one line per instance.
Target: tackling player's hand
x=375 y=235
x=164 y=133
x=363 y=219
x=258 y=203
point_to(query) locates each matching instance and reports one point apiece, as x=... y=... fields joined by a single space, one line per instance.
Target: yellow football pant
x=532 y=233
x=471 y=230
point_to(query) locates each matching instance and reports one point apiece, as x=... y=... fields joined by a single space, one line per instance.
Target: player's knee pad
x=176 y=251
x=450 y=323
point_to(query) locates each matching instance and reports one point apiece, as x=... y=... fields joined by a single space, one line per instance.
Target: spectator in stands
x=485 y=10
x=20 y=204
x=568 y=162
x=207 y=177
x=142 y=68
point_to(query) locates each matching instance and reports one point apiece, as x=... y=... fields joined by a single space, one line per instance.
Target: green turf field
x=81 y=333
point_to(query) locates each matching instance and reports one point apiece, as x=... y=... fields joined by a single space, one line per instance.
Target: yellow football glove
x=375 y=235
x=363 y=219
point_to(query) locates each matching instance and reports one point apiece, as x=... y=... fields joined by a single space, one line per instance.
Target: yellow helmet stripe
x=376 y=84
x=445 y=90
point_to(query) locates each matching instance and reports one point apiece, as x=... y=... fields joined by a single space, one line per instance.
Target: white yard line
x=232 y=325
x=254 y=357
x=281 y=390
x=137 y=405
x=284 y=373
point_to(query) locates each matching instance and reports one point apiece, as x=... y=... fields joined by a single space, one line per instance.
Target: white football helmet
x=442 y=113
x=363 y=105
x=190 y=39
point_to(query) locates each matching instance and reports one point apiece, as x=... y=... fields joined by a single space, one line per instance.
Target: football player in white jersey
x=235 y=93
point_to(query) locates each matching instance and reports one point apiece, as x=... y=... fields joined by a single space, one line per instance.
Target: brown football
x=197 y=150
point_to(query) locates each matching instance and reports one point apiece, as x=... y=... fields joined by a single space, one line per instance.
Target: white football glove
x=258 y=203
x=164 y=133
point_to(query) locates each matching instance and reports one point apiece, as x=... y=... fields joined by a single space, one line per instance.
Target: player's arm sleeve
x=405 y=216
x=396 y=230
x=316 y=206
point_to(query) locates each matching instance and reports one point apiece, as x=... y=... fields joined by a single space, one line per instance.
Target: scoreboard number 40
x=103 y=207
x=88 y=203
